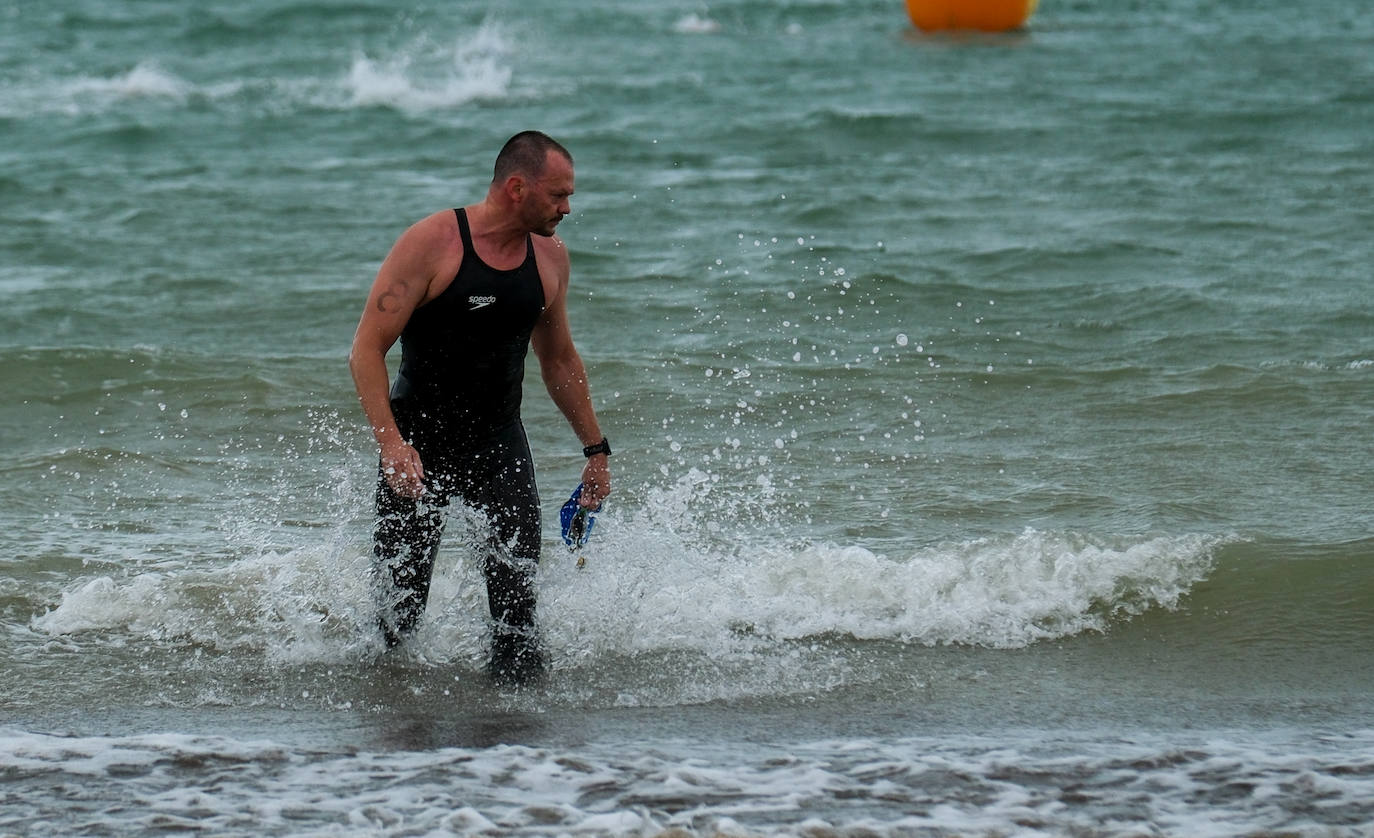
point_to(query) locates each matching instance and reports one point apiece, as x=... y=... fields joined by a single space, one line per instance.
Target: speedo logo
x=475 y=303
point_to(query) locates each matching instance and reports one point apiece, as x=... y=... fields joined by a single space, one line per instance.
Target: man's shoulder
x=435 y=233
x=430 y=249
x=550 y=248
x=440 y=223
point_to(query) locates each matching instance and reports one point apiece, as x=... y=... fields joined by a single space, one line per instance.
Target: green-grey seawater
x=991 y=413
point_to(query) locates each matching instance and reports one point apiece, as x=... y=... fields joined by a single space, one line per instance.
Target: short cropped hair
x=525 y=154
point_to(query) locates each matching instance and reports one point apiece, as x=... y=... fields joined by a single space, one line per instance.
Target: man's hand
x=404 y=472
x=596 y=481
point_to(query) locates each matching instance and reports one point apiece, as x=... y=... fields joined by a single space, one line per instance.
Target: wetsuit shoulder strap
x=463 y=230
x=466 y=233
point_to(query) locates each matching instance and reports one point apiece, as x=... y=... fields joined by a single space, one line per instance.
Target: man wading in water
x=468 y=291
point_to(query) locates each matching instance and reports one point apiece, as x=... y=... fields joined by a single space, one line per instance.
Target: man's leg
x=405 y=544
x=511 y=503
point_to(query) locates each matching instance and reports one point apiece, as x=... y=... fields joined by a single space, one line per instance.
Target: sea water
x=991 y=414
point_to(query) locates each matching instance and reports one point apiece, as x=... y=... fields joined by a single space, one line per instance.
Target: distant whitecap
x=696 y=25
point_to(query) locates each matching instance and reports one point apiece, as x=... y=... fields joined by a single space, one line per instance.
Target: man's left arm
x=565 y=377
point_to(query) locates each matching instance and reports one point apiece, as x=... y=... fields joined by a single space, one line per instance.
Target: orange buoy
x=987 y=15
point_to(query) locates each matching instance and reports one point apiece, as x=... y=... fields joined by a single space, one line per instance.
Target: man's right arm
x=401 y=286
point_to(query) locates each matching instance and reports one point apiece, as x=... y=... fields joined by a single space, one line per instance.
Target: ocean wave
x=426 y=76
x=659 y=581
x=146 y=79
x=82 y=458
x=1067 y=783
x=422 y=75
x=252 y=603
x=1357 y=365
x=146 y=84
x=694 y=24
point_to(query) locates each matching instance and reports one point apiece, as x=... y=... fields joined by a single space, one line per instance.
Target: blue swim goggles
x=577 y=521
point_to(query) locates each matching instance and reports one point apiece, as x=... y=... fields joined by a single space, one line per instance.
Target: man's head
x=535 y=173
x=526 y=154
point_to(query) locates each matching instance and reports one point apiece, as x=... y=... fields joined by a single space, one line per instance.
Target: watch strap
x=602 y=447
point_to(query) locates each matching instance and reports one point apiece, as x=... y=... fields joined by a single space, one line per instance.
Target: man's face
x=546 y=198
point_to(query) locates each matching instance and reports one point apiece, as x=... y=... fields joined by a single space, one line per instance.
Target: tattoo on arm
x=391 y=297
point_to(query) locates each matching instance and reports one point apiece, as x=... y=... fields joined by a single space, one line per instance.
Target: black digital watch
x=602 y=447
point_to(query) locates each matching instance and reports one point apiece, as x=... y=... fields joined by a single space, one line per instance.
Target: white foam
x=147 y=79
x=694 y=24
x=642 y=592
x=1197 y=783
x=1320 y=366
x=423 y=76
x=147 y=82
x=657 y=581
x=302 y=605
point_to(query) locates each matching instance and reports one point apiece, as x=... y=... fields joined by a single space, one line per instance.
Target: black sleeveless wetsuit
x=463 y=353
x=456 y=399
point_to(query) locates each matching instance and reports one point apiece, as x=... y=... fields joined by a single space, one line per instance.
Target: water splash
x=148 y=79
x=655 y=589
x=421 y=75
x=694 y=24
x=426 y=76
